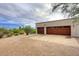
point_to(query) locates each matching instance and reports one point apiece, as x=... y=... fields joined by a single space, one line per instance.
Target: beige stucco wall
x=75 y=30
x=55 y=23
x=74 y=26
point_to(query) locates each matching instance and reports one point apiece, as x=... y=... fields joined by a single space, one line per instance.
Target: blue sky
x=17 y=14
x=7 y=24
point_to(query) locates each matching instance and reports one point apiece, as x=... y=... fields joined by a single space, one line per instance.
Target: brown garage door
x=59 y=30
x=40 y=30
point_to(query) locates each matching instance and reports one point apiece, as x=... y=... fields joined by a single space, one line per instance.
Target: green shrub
x=33 y=31
x=17 y=31
x=10 y=32
x=16 y=34
x=9 y=35
x=1 y=34
x=29 y=30
x=21 y=32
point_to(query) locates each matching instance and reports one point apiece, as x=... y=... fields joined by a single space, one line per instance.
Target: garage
x=40 y=30
x=59 y=30
x=59 y=27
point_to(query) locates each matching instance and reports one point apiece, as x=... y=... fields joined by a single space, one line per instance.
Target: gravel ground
x=60 y=39
x=32 y=46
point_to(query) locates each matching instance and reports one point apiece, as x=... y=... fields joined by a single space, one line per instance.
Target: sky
x=21 y=14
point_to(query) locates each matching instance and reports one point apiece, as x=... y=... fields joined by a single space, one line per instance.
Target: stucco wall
x=55 y=23
x=75 y=30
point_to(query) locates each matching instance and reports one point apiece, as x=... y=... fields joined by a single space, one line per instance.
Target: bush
x=16 y=34
x=17 y=31
x=29 y=30
x=1 y=34
x=22 y=32
x=9 y=35
x=33 y=31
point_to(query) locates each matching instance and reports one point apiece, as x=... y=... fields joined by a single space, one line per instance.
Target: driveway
x=39 y=45
x=59 y=39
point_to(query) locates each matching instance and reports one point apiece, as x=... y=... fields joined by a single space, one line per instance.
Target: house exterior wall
x=55 y=23
x=68 y=22
x=75 y=30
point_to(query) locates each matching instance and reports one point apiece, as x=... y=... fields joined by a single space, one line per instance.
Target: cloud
x=24 y=13
x=20 y=12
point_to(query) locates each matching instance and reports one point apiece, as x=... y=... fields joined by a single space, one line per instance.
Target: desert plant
x=33 y=31
x=17 y=31
x=9 y=34
x=27 y=29
x=16 y=34
x=1 y=34
x=21 y=32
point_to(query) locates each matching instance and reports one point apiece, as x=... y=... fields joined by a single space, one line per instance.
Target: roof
x=57 y=20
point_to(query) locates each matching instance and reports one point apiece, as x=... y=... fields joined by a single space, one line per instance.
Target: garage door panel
x=40 y=30
x=62 y=30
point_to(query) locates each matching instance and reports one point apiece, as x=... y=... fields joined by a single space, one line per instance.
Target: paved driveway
x=60 y=39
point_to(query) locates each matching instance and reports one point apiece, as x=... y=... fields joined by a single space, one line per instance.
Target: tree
x=28 y=29
x=69 y=9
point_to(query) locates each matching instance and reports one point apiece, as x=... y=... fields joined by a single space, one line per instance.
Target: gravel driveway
x=60 y=39
x=37 y=45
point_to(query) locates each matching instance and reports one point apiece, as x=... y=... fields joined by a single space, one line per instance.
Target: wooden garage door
x=59 y=30
x=40 y=30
